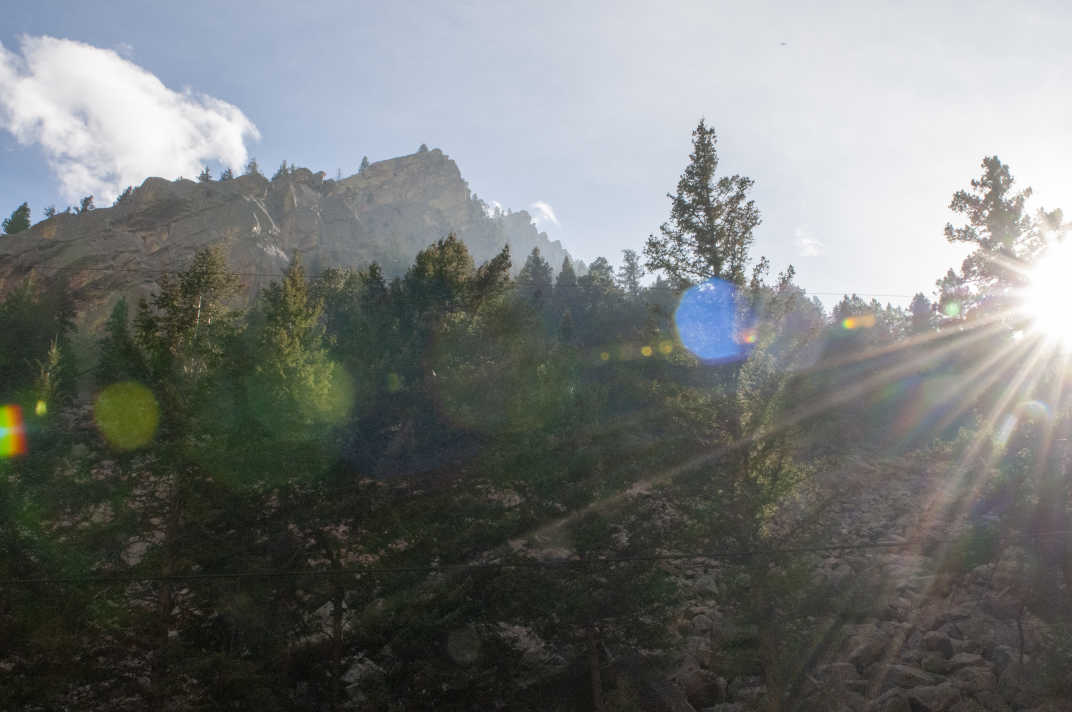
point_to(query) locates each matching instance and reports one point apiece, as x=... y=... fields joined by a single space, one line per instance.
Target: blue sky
x=857 y=130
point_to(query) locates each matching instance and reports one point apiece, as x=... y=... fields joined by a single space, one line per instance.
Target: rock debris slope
x=906 y=629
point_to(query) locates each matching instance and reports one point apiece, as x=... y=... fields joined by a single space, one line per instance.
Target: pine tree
x=364 y=165
x=205 y=176
x=565 y=293
x=535 y=279
x=630 y=273
x=423 y=148
x=922 y=314
x=1003 y=235
x=125 y=195
x=119 y=359
x=711 y=221
x=19 y=220
x=50 y=211
x=86 y=205
x=252 y=169
x=296 y=387
x=227 y=174
x=282 y=171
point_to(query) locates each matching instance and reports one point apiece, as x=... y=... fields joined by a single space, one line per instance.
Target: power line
x=491 y=566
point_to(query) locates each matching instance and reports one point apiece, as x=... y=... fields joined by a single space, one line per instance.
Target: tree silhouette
x=711 y=221
x=19 y=220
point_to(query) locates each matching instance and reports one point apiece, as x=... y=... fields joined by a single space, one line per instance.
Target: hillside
x=385 y=214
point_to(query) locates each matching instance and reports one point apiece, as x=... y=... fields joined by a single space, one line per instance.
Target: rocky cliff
x=386 y=214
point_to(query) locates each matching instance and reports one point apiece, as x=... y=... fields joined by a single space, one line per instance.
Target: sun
x=1047 y=298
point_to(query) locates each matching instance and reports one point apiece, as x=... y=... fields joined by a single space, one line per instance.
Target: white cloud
x=543 y=213
x=105 y=123
x=807 y=244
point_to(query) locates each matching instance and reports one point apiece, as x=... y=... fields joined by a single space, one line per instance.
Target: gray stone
x=1002 y=655
x=991 y=701
x=936 y=663
x=836 y=673
x=933 y=698
x=702 y=623
x=974 y=678
x=962 y=660
x=702 y=687
x=903 y=676
x=968 y=705
x=891 y=701
x=938 y=642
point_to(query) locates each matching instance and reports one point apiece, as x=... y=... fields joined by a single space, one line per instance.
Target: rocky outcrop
x=385 y=214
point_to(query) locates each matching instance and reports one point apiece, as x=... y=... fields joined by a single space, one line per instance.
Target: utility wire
x=443 y=568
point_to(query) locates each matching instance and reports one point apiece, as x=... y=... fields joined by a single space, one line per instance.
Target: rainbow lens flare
x=12 y=431
x=863 y=321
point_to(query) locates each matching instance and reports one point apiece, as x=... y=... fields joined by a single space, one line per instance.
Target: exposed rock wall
x=386 y=214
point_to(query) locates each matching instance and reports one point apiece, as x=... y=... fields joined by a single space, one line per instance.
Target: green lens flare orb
x=126 y=414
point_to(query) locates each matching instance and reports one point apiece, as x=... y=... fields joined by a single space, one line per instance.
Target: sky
x=857 y=121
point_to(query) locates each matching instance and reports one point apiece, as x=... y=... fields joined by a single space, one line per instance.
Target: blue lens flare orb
x=711 y=323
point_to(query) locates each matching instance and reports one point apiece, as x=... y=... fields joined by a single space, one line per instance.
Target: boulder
x=903 y=676
x=938 y=642
x=933 y=698
x=891 y=701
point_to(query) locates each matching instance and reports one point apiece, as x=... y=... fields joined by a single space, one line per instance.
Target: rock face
x=385 y=214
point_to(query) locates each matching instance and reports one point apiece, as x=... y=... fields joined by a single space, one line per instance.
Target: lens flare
x=1046 y=299
x=126 y=414
x=709 y=322
x=12 y=431
x=41 y=408
x=646 y=351
x=861 y=321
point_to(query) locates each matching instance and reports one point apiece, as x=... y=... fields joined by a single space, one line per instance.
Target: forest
x=473 y=488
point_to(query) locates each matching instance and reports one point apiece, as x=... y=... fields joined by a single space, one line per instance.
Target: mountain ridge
x=386 y=213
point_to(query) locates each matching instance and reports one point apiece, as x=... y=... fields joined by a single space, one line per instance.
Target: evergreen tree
x=205 y=176
x=1004 y=237
x=535 y=279
x=711 y=221
x=50 y=211
x=921 y=312
x=565 y=286
x=295 y=386
x=423 y=148
x=125 y=195
x=19 y=220
x=227 y=174
x=630 y=273
x=252 y=169
x=364 y=165
x=997 y=225
x=282 y=171
x=86 y=205
x=119 y=359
